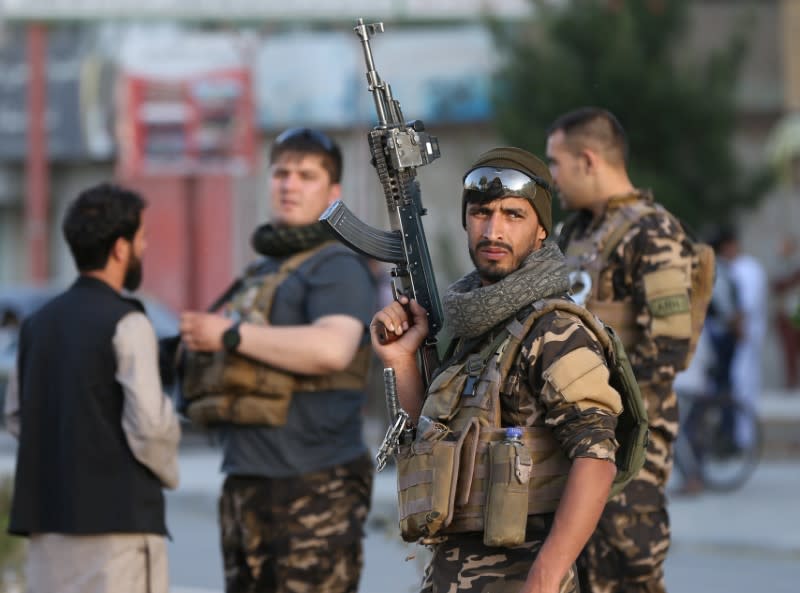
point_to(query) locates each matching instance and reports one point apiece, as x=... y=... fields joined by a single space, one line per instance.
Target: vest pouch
x=210 y=410
x=242 y=409
x=444 y=393
x=202 y=374
x=506 y=509
x=225 y=387
x=427 y=474
x=245 y=375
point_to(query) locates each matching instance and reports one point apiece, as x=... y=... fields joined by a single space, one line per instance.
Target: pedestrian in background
x=750 y=279
x=97 y=436
x=637 y=259
x=552 y=393
x=281 y=370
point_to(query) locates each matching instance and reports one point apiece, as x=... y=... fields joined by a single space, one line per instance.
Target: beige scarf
x=471 y=310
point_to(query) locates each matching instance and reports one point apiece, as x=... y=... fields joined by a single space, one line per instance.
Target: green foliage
x=624 y=55
x=10 y=547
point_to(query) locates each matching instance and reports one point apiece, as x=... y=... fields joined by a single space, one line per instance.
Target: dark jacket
x=75 y=472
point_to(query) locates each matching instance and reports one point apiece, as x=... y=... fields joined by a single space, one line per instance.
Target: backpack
x=632 y=428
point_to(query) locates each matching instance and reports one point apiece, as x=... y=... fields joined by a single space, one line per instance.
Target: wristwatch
x=231 y=338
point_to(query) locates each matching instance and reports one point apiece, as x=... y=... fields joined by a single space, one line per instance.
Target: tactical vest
x=442 y=476
x=228 y=387
x=588 y=257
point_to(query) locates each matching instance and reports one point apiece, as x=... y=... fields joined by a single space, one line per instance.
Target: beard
x=133 y=274
x=492 y=271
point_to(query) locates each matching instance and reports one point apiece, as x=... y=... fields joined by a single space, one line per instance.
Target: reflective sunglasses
x=495 y=182
x=309 y=134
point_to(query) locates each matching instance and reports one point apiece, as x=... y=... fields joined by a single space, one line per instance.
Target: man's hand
x=582 y=502
x=405 y=333
x=405 y=336
x=203 y=331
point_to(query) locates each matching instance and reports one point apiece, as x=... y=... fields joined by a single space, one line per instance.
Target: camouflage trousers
x=296 y=535
x=464 y=563
x=626 y=553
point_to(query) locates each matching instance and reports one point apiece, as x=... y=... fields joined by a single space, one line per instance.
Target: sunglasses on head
x=308 y=134
x=503 y=182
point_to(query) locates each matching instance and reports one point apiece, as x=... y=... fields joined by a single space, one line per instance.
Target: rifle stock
x=397 y=148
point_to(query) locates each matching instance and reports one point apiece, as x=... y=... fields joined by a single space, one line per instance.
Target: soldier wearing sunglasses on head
x=281 y=370
x=518 y=424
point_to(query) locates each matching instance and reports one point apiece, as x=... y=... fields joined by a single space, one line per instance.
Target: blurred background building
x=181 y=100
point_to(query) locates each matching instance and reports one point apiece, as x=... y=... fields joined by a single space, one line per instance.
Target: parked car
x=19 y=301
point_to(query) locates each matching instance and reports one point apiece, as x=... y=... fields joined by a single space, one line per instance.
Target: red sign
x=203 y=124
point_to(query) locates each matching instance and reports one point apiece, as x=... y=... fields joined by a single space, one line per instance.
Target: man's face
x=300 y=189
x=501 y=234
x=573 y=184
x=133 y=270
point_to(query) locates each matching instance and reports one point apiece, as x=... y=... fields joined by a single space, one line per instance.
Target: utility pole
x=37 y=181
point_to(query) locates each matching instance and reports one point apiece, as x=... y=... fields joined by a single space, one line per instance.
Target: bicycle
x=720 y=441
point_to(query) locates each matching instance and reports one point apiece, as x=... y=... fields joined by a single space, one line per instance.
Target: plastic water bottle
x=506 y=511
x=513 y=436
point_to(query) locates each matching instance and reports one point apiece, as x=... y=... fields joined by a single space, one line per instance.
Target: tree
x=623 y=55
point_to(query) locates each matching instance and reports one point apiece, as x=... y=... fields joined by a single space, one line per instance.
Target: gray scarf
x=471 y=309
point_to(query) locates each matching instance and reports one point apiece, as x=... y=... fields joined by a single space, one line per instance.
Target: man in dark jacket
x=97 y=436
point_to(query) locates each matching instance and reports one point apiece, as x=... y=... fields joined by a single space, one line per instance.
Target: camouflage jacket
x=646 y=256
x=560 y=380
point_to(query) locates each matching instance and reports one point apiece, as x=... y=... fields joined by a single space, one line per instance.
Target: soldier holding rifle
x=556 y=389
x=524 y=365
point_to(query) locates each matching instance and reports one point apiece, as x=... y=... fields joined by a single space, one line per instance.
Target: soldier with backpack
x=650 y=282
x=513 y=451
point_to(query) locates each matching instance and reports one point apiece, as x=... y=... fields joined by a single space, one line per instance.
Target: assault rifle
x=397 y=149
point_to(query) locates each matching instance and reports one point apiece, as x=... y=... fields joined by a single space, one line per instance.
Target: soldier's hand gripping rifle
x=397 y=149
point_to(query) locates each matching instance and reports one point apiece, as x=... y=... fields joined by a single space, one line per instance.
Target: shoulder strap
x=573 y=222
x=266 y=295
x=518 y=330
x=631 y=215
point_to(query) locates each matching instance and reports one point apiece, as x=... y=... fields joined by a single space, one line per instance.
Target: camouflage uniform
x=580 y=407
x=299 y=534
x=628 y=548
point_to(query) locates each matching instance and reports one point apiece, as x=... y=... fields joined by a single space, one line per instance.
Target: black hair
x=594 y=123
x=309 y=141
x=98 y=217
x=722 y=235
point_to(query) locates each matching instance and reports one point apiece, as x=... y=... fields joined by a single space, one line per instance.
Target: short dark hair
x=723 y=234
x=98 y=217
x=593 y=124
x=305 y=141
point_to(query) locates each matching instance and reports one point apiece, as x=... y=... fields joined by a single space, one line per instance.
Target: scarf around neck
x=279 y=241
x=471 y=310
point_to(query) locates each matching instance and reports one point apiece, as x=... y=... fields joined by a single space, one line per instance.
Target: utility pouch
x=252 y=410
x=238 y=390
x=226 y=372
x=427 y=474
x=466 y=384
x=445 y=391
x=506 y=509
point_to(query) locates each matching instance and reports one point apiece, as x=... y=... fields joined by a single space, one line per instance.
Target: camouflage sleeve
x=569 y=372
x=657 y=264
